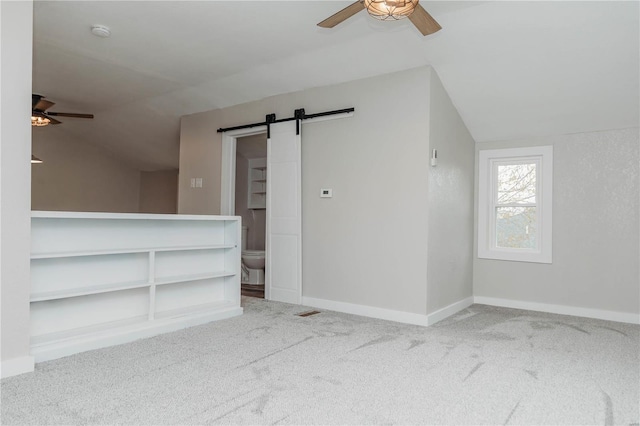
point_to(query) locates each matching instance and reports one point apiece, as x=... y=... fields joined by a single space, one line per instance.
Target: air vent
x=308 y=313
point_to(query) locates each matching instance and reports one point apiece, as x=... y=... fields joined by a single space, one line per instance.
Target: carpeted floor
x=484 y=365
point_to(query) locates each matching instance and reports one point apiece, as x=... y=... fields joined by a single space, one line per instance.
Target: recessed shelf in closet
x=257 y=192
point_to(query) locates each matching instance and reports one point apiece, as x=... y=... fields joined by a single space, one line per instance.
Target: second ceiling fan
x=387 y=10
x=41 y=117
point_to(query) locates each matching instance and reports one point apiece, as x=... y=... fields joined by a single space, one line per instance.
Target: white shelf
x=40 y=214
x=192 y=277
x=105 y=288
x=85 y=291
x=197 y=309
x=92 y=330
x=56 y=345
x=199 y=255
x=257 y=183
x=205 y=247
x=127 y=251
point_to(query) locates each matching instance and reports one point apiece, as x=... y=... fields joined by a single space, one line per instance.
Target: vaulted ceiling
x=513 y=69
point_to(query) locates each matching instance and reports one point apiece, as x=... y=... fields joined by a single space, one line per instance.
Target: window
x=514 y=202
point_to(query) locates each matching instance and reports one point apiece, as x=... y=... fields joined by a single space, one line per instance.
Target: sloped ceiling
x=513 y=69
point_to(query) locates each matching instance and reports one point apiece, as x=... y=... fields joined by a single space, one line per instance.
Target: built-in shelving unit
x=257 y=183
x=99 y=279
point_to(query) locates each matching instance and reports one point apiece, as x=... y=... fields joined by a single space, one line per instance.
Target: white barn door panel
x=284 y=214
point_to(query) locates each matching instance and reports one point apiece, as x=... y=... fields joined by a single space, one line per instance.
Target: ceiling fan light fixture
x=387 y=10
x=39 y=121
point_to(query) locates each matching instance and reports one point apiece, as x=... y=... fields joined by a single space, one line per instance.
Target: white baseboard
x=15 y=366
x=560 y=309
x=447 y=311
x=367 y=311
x=388 y=314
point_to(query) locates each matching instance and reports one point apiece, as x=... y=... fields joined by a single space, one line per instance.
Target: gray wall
x=159 y=192
x=79 y=176
x=595 y=228
x=368 y=244
x=15 y=179
x=450 y=235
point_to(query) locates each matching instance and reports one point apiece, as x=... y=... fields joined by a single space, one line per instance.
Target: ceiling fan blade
x=423 y=21
x=43 y=104
x=69 y=114
x=342 y=15
x=45 y=115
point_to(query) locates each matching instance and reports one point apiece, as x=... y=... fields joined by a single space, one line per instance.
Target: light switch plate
x=326 y=193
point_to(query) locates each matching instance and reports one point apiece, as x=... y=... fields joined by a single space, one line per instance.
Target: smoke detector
x=100 y=31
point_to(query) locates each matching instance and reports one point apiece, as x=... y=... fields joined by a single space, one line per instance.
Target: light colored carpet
x=484 y=365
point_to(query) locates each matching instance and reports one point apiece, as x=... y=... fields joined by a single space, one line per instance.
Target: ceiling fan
x=40 y=116
x=387 y=10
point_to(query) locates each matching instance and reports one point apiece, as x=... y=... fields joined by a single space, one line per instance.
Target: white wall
x=450 y=236
x=367 y=245
x=16 y=25
x=159 y=192
x=595 y=229
x=80 y=176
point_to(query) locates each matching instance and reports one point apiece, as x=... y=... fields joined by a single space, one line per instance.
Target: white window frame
x=488 y=160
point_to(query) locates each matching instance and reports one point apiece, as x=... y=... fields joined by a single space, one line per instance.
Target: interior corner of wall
x=438 y=314
x=432 y=70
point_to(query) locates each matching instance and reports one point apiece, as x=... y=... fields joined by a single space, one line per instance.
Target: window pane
x=516 y=227
x=516 y=183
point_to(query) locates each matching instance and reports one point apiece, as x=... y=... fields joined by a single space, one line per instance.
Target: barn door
x=284 y=216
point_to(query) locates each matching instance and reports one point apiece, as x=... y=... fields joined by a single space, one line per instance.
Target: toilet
x=252 y=263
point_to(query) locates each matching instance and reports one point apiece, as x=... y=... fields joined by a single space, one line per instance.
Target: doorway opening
x=283 y=248
x=251 y=205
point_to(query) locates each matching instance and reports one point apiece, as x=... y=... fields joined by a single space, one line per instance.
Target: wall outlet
x=193 y=182
x=198 y=182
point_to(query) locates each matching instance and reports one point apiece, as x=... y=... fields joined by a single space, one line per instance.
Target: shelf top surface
x=99 y=252
x=37 y=214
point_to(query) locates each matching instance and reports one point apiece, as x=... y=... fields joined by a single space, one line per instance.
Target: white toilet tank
x=243 y=243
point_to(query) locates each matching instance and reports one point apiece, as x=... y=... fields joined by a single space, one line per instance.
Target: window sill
x=515 y=256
